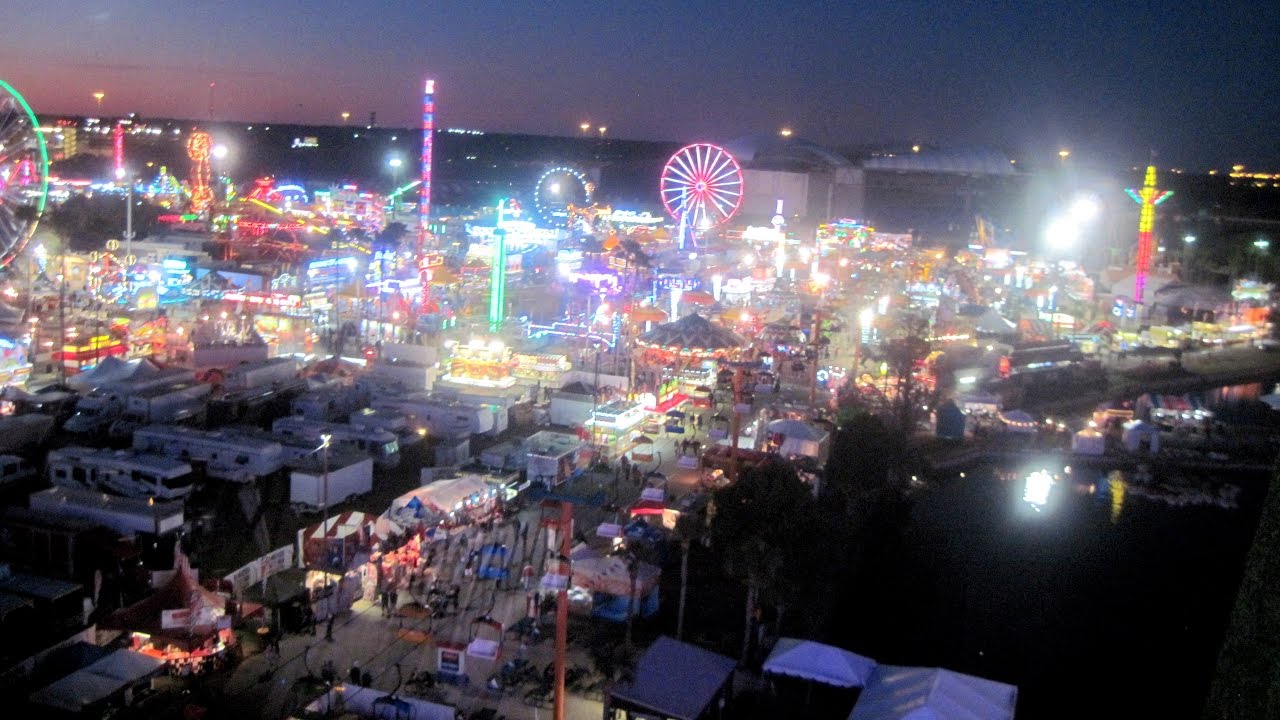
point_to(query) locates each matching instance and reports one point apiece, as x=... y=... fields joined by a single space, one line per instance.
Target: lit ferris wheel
x=557 y=189
x=701 y=186
x=24 y=173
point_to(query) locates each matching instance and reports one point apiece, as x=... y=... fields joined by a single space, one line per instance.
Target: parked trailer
x=185 y=402
x=23 y=432
x=398 y=424
x=379 y=445
x=328 y=405
x=349 y=475
x=104 y=405
x=442 y=418
x=261 y=374
x=127 y=516
x=121 y=472
x=223 y=455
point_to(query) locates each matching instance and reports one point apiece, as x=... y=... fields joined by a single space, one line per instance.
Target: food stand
x=613 y=427
x=483 y=364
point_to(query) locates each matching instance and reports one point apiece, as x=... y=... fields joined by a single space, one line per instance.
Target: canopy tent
x=112 y=369
x=609 y=575
x=820 y=663
x=90 y=685
x=979 y=402
x=692 y=336
x=352 y=700
x=798 y=437
x=334 y=543
x=1272 y=401
x=440 y=497
x=675 y=679
x=181 y=609
x=913 y=693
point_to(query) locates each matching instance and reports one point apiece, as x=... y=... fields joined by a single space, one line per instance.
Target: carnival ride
x=1148 y=197
x=24 y=173
x=557 y=190
x=701 y=187
x=199 y=148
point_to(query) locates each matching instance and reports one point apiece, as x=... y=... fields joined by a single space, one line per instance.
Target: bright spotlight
x=1085 y=208
x=219 y=151
x=1061 y=233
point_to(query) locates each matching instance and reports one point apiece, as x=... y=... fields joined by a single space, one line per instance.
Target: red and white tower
x=424 y=190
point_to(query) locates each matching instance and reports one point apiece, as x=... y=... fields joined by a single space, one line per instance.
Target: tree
x=766 y=530
x=904 y=355
x=690 y=527
x=391 y=237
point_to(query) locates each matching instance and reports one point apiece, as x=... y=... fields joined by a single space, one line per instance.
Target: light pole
x=324 y=497
x=1261 y=245
x=1188 y=245
x=394 y=163
x=220 y=153
x=98 y=95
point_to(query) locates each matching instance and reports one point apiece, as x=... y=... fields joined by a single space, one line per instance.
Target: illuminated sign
x=306 y=142
x=632 y=217
x=677 y=283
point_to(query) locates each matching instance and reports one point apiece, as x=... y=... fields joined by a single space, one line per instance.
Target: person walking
x=328 y=628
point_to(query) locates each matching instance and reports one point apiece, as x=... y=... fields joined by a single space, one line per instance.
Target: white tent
x=799 y=438
x=915 y=693
x=441 y=496
x=100 y=680
x=820 y=663
x=609 y=574
x=1272 y=401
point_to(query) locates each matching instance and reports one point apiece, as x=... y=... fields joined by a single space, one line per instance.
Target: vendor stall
x=551 y=457
x=613 y=427
x=606 y=585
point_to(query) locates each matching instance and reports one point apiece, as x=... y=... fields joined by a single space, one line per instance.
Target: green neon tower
x=498 y=275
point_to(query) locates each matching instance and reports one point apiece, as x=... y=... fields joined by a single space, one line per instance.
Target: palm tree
x=688 y=529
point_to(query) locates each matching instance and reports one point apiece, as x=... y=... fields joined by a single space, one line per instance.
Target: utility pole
x=564 y=526
x=324 y=497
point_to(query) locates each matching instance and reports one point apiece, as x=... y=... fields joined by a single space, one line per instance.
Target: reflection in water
x=1178 y=491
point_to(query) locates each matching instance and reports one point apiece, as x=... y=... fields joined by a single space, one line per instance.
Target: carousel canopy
x=182 y=592
x=693 y=335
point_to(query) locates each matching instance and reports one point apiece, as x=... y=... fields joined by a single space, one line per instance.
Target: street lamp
x=584 y=127
x=324 y=498
x=1262 y=245
x=394 y=163
x=98 y=95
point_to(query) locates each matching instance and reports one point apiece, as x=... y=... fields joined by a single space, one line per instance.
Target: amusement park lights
x=1147 y=198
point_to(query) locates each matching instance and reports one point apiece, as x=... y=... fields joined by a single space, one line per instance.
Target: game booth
x=336 y=553
x=444 y=504
x=601 y=586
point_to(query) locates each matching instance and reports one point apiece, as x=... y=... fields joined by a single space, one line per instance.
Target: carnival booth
x=1170 y=411
x=336 y=553
x=794 y=437
x=552 y=457
x=612 y=428
x=1088 y=441
x=119 y=677
x=601 y=586
x=674 y=356
x=1017 y=421
x=182 y=623
x=449 y=502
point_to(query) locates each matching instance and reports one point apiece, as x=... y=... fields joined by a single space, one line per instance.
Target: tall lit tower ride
x=424 y=190
x=1148 y=197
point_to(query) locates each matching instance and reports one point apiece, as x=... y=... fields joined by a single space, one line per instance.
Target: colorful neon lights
x=1147 y=198
x=117 y=149
x=428 y=130
x=498 y=275
x=199 y=147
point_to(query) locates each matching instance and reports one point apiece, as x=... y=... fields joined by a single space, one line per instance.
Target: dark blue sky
x=1197 y=82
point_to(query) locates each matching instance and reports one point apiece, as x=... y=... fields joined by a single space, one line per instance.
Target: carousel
x=676 y=358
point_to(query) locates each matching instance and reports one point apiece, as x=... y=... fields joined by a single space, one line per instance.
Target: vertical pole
x=817 y=349
x=735 y=421
x=562 y=608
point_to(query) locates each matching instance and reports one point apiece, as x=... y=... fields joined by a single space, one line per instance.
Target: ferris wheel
x=557 y=189
x=701 y=186
x=24 y=173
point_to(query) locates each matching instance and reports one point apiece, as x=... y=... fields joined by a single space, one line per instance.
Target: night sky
x=1196 y=82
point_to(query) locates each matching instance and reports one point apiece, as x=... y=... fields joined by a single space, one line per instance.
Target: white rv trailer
x=223 y=455
x=398 y=424
x=442 y=418
x=121 y=472
x=378 y=444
